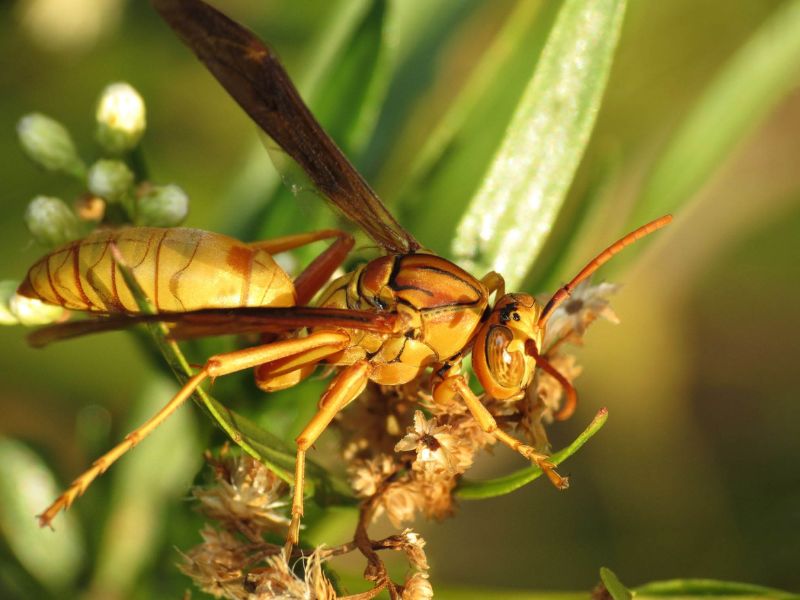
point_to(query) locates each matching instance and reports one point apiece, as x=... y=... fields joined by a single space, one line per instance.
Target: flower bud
x=51 y=222
x=110 y=179
x=120 y=118
x=162 y=206
x=48 y=143
x=7 y=291
x=30 y=311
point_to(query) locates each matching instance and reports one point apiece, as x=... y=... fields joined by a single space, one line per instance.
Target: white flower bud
x=30 y=311
x=51 y=222
x=120 y=118
x=162 y=206
x=110 y=179
x=7 y=291
x=48 y=143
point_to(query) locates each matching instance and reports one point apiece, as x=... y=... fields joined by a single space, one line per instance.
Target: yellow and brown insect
x=409 y=310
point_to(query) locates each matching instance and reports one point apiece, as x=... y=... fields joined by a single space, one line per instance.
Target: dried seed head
x=247 y=494
x=413 y=545
x=216 y=564
x=417 y=587
x=400 y=500
x=586 y=303
x=367 y=475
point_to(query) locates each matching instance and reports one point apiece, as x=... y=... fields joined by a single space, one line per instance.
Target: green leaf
x=512 y=214
x=764 y=70
x=709 y=587
x=140 y=493
x=478 y=490
x=454 y=154
x=54 y=558
x=614 y=585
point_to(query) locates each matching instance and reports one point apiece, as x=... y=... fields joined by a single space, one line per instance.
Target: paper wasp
x=388 y=321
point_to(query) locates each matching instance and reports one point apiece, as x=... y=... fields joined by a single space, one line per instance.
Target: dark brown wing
x=252 y=74
x=212 y=321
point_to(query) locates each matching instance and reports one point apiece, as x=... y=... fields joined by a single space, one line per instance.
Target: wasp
x=388 y=321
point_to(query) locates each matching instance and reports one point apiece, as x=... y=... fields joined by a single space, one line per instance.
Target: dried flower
x=413 y=545
x=216 y=564
x=246 y=494
x=276 y=581
x=417 y=587
x=586 y=303
x=400 y=500
x=434 y=444
x=437 y=496
x=367 y=475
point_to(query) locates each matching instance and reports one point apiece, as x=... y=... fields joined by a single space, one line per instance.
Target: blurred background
x=696 y=472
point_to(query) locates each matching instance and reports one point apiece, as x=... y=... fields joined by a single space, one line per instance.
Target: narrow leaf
x=478 y=490
x=140 y=493
x=709 y=587
x=26 y=487
x=614 y=585
x=512 y=214
x=745 y=90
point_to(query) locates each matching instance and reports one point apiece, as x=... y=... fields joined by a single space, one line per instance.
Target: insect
x=388 y=321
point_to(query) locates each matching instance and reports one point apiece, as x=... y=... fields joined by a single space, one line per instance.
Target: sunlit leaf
x=26 y=487
x=478 y=490
x=613 y=585
x=763 y=71
x=140 y=492
x=709 y=587
x=512 y=214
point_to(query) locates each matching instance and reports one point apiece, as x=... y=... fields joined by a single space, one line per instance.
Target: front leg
x=456 y=385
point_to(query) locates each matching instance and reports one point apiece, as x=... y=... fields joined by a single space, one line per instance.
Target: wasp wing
x=228 y=321
x=251 y=73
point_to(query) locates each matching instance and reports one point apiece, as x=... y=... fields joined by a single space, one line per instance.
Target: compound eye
x=507 y=368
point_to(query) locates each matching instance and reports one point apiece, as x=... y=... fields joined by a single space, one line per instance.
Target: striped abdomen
x=179 y=269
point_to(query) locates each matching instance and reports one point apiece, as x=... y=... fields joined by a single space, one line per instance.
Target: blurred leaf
x=454 y=155
x=745 y=90
x=614 y=585
x=140 y=492
x=479 y=490
x=26 y=487
x=481 y=86
x=445 y=593
x=709 y=587
x=513 y=213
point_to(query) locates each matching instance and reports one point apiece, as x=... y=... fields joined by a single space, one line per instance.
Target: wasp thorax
x=499 y=358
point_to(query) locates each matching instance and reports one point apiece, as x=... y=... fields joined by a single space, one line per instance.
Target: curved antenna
x=598 y=261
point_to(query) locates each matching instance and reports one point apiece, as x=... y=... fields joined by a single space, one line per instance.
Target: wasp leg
x=221 y=364
x=344 y=388
x=320 y=270
x=457 y=385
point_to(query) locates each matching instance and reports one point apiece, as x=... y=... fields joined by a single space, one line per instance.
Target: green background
x=695 y=474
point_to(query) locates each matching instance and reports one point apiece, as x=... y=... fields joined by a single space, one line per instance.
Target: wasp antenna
x=598 y=261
